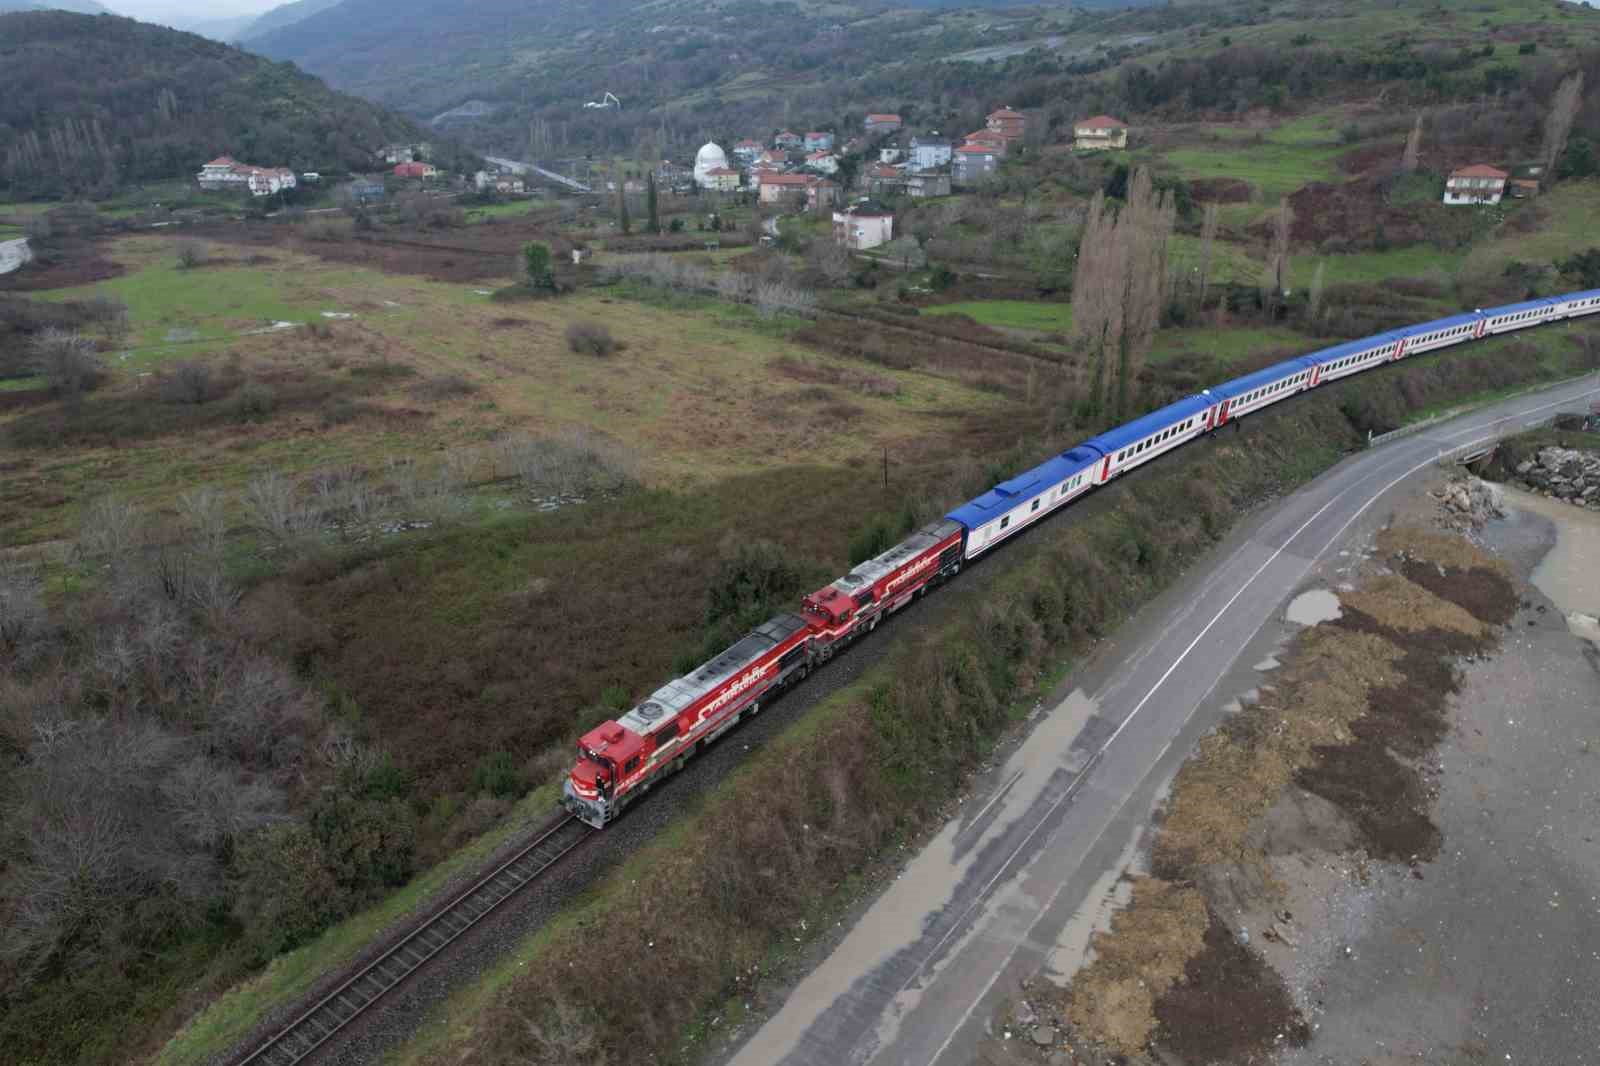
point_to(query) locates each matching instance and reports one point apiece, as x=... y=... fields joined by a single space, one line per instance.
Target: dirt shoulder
x=1387 y=853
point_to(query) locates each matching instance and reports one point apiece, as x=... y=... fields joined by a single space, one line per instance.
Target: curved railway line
x=314 y=1027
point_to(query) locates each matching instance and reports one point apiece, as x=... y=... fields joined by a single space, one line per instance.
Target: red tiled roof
x=1101 y=122
x=1479 y=170
x=883 y=118
x=974 y=149
x=221 y=161
x=1005 y=112
x=986 y=136
x=788 y=179
x=720 y=172
x=815 y=133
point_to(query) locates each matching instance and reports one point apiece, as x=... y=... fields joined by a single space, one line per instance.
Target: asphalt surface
x=985 y=904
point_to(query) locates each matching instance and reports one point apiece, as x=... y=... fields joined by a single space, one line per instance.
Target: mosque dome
x=709 y=158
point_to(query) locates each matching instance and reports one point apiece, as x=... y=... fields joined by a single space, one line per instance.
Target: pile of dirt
x=1229 y=1007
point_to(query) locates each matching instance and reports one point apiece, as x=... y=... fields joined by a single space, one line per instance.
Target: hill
x=88 y=104
x=281 y=16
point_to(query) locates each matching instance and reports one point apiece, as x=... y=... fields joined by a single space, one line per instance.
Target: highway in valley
x=1010 y=885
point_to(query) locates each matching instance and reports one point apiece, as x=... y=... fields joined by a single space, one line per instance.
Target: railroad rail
x=316 y=1026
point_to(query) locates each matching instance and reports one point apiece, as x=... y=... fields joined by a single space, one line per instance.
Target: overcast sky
x=188 y=10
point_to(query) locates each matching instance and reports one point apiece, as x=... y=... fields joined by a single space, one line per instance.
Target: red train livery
x=619 y=761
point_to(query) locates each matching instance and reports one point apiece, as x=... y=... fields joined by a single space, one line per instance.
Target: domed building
x=709 y=158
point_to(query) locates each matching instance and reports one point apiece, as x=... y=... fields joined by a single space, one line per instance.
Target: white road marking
x=1084 y=773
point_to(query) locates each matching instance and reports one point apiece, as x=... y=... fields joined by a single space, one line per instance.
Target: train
x=619 y=761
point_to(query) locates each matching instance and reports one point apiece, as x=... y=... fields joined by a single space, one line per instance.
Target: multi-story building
x=1099 y=133
x=929 y=153
x=1479 y=184
x=864 y=224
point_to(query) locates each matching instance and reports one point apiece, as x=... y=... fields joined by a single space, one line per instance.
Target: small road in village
x=1008 y=886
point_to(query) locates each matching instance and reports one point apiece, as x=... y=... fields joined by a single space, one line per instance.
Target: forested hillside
x=90 y=103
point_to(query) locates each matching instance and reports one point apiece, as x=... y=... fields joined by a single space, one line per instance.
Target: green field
x=1011 y=314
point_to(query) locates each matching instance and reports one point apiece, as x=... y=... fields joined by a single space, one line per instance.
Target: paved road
x=990 y=899
x=13 y=254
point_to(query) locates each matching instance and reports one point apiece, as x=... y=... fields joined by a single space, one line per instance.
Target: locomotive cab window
x=631 y=765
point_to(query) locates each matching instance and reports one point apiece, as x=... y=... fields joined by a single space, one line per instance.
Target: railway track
x=316 y=1026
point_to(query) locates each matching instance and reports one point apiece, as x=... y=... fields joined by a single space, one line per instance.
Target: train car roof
x=1440 y=323
x=1004 y=496
x=1525 y=305
x=1276 y=372
x=881 y=566
x=1339 y=351
x=1154 y=422
x=1586 y=294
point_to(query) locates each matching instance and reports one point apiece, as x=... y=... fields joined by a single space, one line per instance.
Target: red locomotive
x=619 y=761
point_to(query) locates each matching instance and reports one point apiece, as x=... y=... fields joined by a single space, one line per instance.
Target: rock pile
x=1471 y=502
x=1563 y=474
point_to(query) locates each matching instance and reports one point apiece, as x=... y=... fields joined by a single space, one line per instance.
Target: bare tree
x=1275 y=278
x=1315 y=296
x=1410 y=158
x=22 y=613
x=1120 y=287
x=1208 y=237
x=68 y=362
x=274 y=507
x=1558 y=123
x=110 y=533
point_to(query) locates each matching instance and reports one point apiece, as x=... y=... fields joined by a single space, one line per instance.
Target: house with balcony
x=1007 y=123
x=864 y=224
x=1099 y=133
x=973 y=164
x=781 y=189
x=1477 y=184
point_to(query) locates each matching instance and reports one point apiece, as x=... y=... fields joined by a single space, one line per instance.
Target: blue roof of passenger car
x=1276 y=372
x=1442 y=323
x=1339 y=351
x=1154 y=422
x=1526 y=305
x=1007 y=494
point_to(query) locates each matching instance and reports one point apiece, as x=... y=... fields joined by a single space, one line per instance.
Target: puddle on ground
x=1109 y=895
x=1570 y=573
x=1313 y=606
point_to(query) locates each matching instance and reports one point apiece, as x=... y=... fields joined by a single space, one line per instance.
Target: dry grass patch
x=1145 y=951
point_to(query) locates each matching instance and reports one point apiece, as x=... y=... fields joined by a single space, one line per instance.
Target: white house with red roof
x=227 y=173
x=881 y=123
x=818 y=140
x=788 y=139
x=988 y=140
x=1099 y=133
x=824 y=162
x=747 y=149
x=1477 y=184
x=786 y=188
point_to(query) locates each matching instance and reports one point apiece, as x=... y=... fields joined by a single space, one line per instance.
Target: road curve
x=914 y=981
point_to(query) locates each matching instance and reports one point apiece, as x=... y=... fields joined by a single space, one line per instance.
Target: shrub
x=191 y=254
x=497 y=774
x=186 y=383
x=445 y=387
x=590 y=338
x=253 y=401
x=68 y=361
